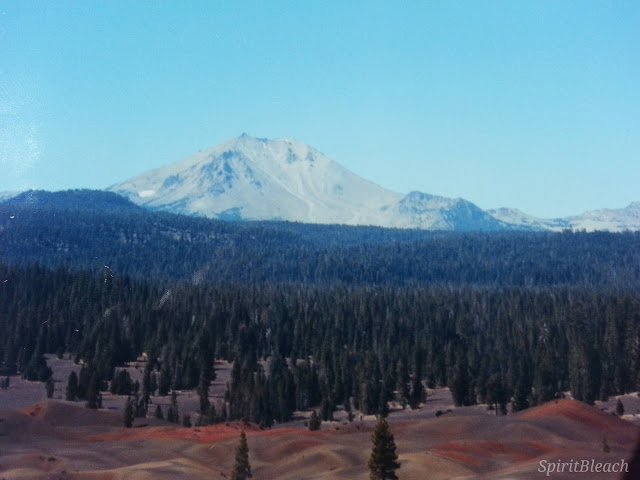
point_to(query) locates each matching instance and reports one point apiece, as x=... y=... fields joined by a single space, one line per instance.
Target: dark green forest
x=86 y=230
x=346 y=316
x=355 y=346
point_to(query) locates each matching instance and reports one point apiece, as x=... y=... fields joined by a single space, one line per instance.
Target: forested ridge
x=359 y=346
x=161 y=246
x=351 y=316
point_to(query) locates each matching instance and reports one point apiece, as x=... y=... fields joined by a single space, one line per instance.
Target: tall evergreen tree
x=241 y=468
x=544 y=381
x=383 y=405
x=146 y=386
x=129 y=413
x=203 y=395
x=71 y=393
x=497 y=393
x=49 y=386
x=417 y=393
x=186 y=421
x=93 y=394
x=383 y=460
x=174 y=407
x=461 y=386
x=522 y=389
x=84 y=379
x=158 y=413
x=121 y=383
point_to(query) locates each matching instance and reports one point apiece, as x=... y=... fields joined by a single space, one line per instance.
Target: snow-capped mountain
x=248 y=178
x=514 y=216
x=421 y=210
x=613 y=220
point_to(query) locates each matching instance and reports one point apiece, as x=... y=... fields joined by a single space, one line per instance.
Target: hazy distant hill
x=613 y=220
x=89 y=200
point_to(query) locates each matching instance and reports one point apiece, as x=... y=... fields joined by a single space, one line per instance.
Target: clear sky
x=533 y=105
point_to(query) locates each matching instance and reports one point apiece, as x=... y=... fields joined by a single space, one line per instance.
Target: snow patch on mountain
x=613 y=220
x=514 y=216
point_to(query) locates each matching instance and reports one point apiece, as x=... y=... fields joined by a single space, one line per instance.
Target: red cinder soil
x=466 y=443
x=575 y=411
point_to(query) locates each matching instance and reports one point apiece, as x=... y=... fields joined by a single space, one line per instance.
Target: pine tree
x=315 y=421
x=383 y=406
x=153 y=385
x=72 y=387
x=128 y=413
x=170 y=416
x=175 y=415
x=619 y=408
x=84 y=378
x=146 y=386
x=522 y=390
x=416 y=394
x=49 y=386
x=383 y=461
x=186 y=421
x=158 y=413
x=242 y=469
x=121 y=383
x=203 y=395
x=497 y=393
x=93 y=393
x=460 y=387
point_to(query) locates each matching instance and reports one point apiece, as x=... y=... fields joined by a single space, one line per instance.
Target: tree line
x=297 y=346
x=60 y=229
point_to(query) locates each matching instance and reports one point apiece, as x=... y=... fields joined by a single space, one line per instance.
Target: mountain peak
x=249 y=178
x=261 y=179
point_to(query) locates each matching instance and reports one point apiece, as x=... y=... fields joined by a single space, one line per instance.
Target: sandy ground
x=62 y=440
x=44 y=439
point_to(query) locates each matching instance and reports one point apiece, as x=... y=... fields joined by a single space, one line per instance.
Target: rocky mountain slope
x=249 y=178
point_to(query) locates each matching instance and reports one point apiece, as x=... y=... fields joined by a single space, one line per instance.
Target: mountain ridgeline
x=249 y=178
x=88 y=230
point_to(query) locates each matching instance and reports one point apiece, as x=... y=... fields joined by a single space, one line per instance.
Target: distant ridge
x=613 y=220
x=73 y=200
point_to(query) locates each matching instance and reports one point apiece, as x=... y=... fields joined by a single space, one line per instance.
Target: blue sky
x=533 y=105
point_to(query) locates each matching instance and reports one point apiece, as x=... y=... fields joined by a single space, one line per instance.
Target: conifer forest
x=315 y=317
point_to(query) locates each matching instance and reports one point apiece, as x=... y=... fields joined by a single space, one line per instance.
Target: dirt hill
x=60 y=440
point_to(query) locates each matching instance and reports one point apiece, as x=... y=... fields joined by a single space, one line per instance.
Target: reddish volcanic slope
x=60 y=440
